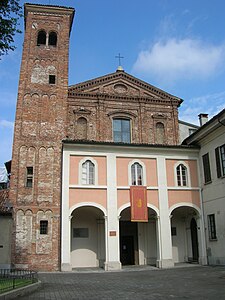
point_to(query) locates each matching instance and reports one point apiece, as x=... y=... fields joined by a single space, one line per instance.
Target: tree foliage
x=10 y=12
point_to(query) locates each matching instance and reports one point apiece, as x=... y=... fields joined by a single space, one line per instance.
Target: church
x=99 y=175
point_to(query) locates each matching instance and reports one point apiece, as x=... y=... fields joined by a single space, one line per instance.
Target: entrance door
x=127 y=250
x=194 y=240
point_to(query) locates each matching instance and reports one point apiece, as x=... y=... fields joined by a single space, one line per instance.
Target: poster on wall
x=138 y=201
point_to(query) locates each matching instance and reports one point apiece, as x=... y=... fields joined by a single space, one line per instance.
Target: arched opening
x=138 y=240
x=81 y=128
x=52 y=39
x=87 y=237
x=184 y=233
x=41 y=39
x=160 y=133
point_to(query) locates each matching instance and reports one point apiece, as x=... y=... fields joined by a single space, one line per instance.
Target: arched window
x=136 y=174
x=181 y=175
x=52 y=39
x=88 y=172
x=41 y=39
x=160 y=133
x=82 y=128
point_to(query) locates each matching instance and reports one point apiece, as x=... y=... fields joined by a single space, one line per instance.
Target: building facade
x=211 y=139
x=79 y=150
x=96 y=211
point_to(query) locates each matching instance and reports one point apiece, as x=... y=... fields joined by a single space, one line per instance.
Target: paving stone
x=178 y=283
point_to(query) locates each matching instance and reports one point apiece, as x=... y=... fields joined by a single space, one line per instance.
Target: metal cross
x=119 y=58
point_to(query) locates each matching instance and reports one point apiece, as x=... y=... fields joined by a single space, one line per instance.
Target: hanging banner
x=138 y=201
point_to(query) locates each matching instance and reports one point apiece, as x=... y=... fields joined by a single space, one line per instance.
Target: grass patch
x=8 y=284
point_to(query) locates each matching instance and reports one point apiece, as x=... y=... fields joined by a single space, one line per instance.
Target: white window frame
x=188 y=177
x=143 y=171
x=82 y=161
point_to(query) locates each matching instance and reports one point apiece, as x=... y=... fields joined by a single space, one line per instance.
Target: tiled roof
x=92 y=142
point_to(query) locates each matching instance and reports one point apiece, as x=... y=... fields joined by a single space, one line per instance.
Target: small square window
x=29 y=179
x=43 y=227
x=51 y=79
x=191 y=130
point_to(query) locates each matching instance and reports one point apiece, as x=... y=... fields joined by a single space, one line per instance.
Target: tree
x=10 y=12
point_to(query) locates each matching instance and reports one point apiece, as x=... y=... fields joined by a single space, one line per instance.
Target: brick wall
x=39 y=129
x=121 y=95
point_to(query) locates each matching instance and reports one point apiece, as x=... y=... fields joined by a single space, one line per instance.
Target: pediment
x=82 y=111
x=119 y=84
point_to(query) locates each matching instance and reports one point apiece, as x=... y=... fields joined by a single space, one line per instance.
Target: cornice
x=119 y=98
x=48 y=10
x=120 y=75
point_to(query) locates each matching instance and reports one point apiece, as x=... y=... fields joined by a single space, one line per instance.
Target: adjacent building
x=211 y=140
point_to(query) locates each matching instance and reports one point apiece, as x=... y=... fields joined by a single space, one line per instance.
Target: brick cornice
x=75 y=89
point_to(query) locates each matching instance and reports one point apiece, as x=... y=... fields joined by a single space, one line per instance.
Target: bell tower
x=40 y=127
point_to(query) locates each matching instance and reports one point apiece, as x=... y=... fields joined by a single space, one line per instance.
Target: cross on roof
x=119 y=58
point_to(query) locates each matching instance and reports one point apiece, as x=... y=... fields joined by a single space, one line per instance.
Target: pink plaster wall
x=122 y=171
x=87 y=195
x=176 y=196
x=74 y=169
x=153 y=197
x=170 y=163
x=123 y=197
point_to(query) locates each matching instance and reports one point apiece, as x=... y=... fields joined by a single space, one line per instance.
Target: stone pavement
x=196 y=282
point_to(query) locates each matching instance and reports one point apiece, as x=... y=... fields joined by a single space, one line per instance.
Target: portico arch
x=87 y=235
x=185 y=231
x=138 y=240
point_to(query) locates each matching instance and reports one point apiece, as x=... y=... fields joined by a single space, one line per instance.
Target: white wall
x=90 y=251
x=184 y=130
x=214 y=197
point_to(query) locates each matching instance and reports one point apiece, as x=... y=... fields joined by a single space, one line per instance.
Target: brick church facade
x=77 y=151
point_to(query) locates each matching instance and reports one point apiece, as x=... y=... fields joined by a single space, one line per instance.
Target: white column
x=165 y=243
x=201 y=240
x=112 y=235
x=66 y=218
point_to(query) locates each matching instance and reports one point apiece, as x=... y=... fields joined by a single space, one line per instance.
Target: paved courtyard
x=134 y=283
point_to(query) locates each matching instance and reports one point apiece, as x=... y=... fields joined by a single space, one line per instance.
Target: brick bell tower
x=39 y=129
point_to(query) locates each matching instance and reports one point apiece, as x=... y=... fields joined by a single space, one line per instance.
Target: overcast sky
x=176 y=45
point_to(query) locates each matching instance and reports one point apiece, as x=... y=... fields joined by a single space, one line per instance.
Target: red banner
x=138 y=201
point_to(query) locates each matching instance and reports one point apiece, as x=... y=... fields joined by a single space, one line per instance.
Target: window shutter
x=218 y=167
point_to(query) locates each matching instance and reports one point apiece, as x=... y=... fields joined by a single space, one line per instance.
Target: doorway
x=127 y=250
x=194 y=240
x=128 y=243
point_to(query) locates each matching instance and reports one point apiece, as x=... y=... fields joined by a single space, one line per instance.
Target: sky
x=175 y=45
